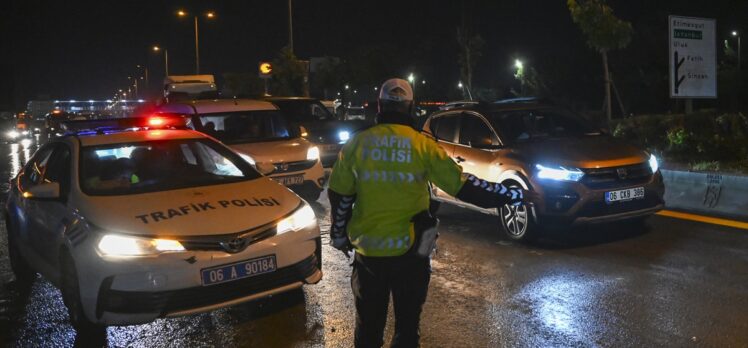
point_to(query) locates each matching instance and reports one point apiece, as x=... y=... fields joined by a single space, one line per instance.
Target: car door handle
x=459 y=159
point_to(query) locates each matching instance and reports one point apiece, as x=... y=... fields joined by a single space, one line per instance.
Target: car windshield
x=303 y=110
x=526 y=125
x=246 y=126
x=121 y=169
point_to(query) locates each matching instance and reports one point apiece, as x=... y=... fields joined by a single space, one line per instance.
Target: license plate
x=624 y=195
x=239 y=270
x=290 y=180
x=330 y=148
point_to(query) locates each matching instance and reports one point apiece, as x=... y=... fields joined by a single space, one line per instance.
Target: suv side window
x=34 y=171
x=475 y=132
x=445 y=128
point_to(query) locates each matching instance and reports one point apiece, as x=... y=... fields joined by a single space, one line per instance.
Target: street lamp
x=209 y=15
x=461 y=86
x=736 y=34
x=411 y=78
x=519 y=75
x=166 y=58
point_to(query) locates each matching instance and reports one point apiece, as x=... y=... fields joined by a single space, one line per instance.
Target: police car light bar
x=114 y=125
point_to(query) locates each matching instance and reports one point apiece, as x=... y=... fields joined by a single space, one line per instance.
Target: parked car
x=582 y=174
x=142 y=222
x=263 y=134
x=320 y=126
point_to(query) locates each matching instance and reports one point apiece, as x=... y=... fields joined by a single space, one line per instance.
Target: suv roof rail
x=458 y=104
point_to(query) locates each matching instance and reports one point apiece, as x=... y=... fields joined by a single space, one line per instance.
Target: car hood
x=198 y=211
x=583 y=152
x=326 y=132
x=275 y=151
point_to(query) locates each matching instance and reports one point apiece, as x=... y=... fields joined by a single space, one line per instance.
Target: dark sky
x=86 y=49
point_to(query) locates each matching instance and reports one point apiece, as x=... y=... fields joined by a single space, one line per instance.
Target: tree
x=288 y=74
x=247 y=85
x=471 y=46
x=604 y=32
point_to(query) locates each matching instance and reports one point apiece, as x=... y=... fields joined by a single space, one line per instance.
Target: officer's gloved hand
x=341 y=242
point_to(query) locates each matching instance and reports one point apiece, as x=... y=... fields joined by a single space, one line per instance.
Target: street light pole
x=156 y=48
x=290 y=26
x=197 y=51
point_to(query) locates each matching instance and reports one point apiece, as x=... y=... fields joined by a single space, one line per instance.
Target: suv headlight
x=559 y=173
x=343 y=136
x=300 y=219
x=312 y=154
x=120 y=245
x=653 y=163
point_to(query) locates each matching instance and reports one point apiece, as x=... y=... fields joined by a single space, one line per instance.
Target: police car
x=263 y=135
x=147 y=223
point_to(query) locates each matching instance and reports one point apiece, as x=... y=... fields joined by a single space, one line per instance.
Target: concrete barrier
x=707 y=193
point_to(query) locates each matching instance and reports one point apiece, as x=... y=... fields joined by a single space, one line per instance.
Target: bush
x=707 y=140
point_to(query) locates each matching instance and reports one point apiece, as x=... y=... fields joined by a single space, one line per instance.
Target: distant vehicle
x=321 y=126
x=135 y=225
x=187 y=87
x=355 y=113
x=582 y=174
x=262 y=133
x=332 y=106
x=53 y=121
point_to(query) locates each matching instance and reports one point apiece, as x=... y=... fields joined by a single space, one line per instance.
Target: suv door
x=444 y=129
x=477 y=147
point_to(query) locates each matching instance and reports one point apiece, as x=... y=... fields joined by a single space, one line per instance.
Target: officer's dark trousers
x=373 y=280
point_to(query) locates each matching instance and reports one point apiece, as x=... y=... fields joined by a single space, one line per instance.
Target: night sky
x=86 y=49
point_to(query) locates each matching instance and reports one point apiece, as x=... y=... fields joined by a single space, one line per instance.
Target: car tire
x=70 y=289
x=517 y=222
x=24 y=274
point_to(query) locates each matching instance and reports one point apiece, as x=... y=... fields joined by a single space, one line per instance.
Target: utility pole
x=290 y=26
x=197 y=51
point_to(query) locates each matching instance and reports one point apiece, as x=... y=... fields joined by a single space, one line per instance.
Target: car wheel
x=24 y=274
x=72 y=299
x=517 y=223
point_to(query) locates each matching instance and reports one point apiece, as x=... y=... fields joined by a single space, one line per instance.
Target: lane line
x=704 y=219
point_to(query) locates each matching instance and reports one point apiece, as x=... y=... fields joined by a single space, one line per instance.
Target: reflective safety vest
x=388 y=168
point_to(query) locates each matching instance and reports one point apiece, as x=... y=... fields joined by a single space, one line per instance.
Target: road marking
x=704 y=219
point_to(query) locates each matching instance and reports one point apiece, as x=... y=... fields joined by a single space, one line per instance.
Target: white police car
x=141 y=224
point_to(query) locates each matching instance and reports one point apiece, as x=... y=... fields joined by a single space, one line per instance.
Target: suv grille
x=611 y=177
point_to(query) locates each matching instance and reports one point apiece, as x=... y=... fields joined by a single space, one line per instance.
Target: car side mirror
x=303 y=131
x=45 y=191
x=265 y=168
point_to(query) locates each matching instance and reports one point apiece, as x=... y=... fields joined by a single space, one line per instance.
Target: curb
x=712 y=194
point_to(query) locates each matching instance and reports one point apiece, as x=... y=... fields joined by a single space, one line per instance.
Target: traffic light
x=266 y=70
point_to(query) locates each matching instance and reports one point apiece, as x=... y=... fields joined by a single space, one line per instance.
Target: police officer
x=378 y=185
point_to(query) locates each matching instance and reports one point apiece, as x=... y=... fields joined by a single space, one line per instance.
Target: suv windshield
x=246 y=126
x=303 y=110
x=524 y=125
x=121 y=169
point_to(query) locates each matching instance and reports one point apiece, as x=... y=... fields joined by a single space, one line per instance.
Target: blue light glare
x=559 y=173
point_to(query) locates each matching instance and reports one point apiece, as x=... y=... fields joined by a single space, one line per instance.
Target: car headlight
x=343 y=136
x=300 y=219
x=119 y=245
x=312 y=154
x=13 y=134
x=248 y=158
x=653 y=163
x=559 y=173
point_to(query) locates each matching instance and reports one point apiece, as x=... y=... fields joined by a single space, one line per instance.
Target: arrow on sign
x=678 y=63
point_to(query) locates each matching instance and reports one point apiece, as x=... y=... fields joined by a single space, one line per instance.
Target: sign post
x=693 y=58
x=265 y=73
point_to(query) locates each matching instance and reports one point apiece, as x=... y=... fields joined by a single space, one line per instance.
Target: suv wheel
x=25 y=275
x=72 y=299
x=517 y=223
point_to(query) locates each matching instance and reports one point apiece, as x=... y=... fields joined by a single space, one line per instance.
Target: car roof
x=137 y=136
x=290 y=98
x=498 y=106
x=209 y=106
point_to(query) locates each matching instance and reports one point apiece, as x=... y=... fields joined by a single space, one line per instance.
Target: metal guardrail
x=707 y=193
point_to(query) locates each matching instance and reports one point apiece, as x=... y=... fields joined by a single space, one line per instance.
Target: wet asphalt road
x=665 y=283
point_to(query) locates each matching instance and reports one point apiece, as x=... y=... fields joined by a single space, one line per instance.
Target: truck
x=182 y=87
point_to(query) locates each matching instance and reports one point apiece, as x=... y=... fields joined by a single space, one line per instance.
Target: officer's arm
x=448 y=176
x=342 y=194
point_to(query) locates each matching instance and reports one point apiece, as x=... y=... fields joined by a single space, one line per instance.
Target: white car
x=142 y=224
x=259 y=131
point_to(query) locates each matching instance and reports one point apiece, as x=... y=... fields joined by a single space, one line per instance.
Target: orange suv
x=582 y=174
